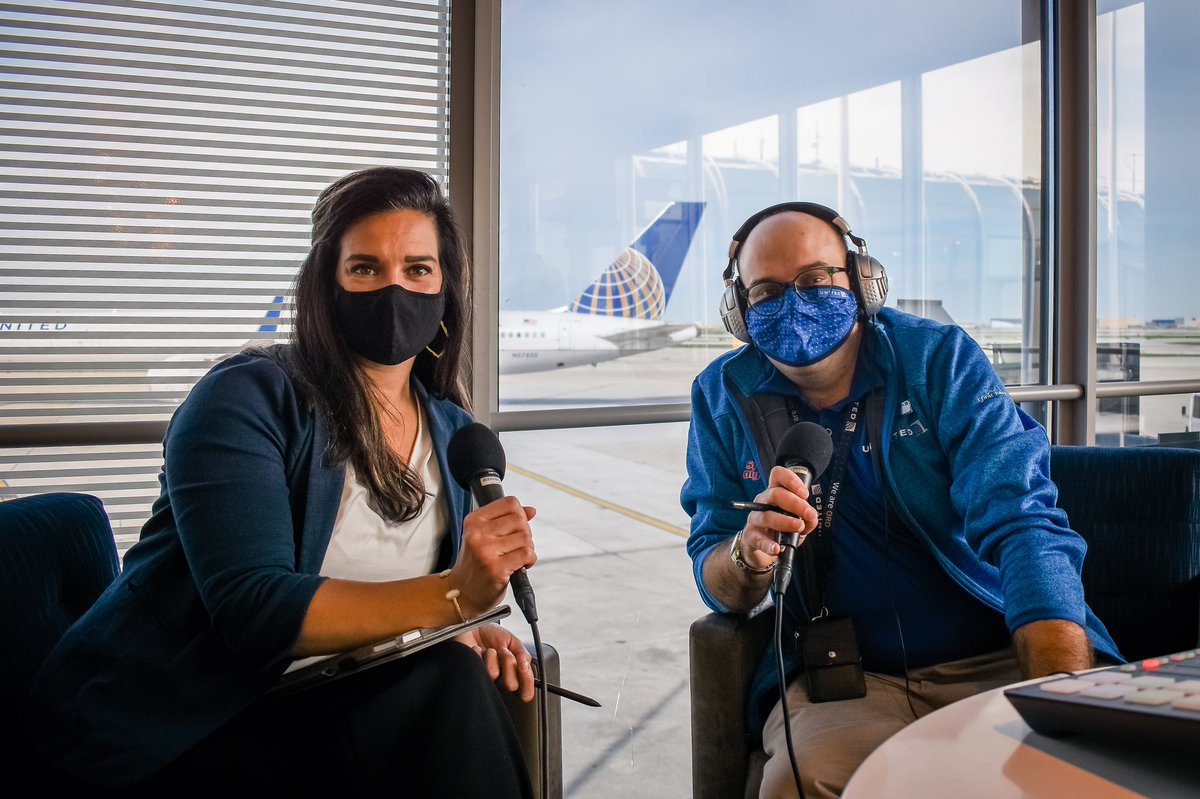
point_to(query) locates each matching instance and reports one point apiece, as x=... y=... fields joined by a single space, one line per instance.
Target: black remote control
x=1156 y=700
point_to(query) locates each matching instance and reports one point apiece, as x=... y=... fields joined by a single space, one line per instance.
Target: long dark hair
x=324 y=368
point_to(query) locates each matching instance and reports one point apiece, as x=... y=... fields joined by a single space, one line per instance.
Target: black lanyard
x=819 y=560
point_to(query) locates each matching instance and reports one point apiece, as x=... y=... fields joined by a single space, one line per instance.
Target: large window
x=924 y=125
x=1148 y=181
x=927 y=143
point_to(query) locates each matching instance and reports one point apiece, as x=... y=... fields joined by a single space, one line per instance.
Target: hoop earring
x=445 y=333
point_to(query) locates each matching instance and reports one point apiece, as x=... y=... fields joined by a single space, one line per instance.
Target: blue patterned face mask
x=799 y=331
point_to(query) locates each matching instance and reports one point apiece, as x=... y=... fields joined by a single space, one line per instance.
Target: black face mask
x=388 y=325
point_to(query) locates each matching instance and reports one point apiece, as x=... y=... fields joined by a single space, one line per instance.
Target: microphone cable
x=783 y=699
x=475 y=459
x=518 y=581
x=543 y=697
x=805 y=449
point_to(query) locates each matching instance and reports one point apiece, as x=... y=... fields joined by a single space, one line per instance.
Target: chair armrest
x=725 y=650
x=525 y=719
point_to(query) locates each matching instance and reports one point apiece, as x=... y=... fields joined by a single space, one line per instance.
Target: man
x=939 y=539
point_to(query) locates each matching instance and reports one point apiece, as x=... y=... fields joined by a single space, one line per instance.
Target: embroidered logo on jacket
x=750 y=472
x=908 y=427
x=914 y=429
x=990 y=394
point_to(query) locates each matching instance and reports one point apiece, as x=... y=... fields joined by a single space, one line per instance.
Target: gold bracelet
x=452 y=595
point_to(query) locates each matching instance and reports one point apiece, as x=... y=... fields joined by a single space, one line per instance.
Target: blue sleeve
x=226 y=474
x=1000 y=469
x=715 y=477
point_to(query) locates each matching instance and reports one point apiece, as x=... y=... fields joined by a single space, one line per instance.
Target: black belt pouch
x=832 y=663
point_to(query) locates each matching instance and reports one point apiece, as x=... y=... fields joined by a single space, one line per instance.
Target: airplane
x=619 y=314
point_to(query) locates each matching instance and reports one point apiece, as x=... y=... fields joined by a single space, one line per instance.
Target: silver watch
x=735 y=554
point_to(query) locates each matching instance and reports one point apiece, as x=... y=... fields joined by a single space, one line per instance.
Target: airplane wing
x=644 y=339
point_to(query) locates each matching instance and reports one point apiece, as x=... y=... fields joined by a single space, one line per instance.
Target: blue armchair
x=1137 y=508
x=57 y=556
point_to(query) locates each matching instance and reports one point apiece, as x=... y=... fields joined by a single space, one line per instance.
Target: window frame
x=1068 y=34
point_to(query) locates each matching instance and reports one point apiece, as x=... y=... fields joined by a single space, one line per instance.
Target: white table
x=980 y=748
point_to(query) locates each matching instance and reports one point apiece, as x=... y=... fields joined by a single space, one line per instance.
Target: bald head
x=782 y=245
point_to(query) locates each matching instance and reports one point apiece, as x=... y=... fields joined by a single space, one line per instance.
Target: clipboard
x=334 y=667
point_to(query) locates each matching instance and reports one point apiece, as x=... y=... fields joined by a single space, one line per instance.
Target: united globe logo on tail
x=622 y=311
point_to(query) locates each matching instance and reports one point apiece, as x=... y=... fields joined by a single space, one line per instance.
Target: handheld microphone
x=806 y=449
x=476 y=460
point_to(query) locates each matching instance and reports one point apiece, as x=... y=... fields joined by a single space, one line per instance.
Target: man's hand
x=760 y=537
x=738 y=589
x=1050 y=646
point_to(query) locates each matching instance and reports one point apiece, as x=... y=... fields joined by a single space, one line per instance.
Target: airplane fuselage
x=536 y=341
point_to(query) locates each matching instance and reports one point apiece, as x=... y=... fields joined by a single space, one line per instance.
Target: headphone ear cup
x=871 y=283
x=732 y=313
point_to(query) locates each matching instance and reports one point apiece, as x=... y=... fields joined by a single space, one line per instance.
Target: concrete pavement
x=615 y=597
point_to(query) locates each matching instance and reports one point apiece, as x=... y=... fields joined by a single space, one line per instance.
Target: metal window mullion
x=475 y=179
x=1071 y=221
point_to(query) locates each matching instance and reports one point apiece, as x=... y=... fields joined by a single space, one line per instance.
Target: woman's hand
x=504 y=656
x=496 y=541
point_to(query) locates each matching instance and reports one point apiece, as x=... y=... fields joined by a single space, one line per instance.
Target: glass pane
x=1148 y=177
x=1162 y=420
x=927 y=141
x=615 y=598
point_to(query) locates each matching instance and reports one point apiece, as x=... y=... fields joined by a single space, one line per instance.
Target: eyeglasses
x=816 y=277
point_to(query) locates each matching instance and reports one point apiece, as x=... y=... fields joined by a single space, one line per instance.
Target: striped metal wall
x=158 y=162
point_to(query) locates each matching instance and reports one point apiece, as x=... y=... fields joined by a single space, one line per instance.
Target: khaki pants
x=831 y=739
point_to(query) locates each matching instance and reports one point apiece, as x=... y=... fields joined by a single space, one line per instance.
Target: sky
x=575 y=138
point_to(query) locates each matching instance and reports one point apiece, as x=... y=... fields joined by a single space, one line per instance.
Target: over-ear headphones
x=868 y=280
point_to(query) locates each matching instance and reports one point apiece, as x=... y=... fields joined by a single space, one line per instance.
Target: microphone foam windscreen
x=808 y=443
x=473 y=449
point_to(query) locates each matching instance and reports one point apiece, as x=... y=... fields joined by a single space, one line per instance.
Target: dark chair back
x=57 y=555
x=1138 y=508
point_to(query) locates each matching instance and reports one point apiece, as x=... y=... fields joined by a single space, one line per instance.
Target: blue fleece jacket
x=966 y=468
x=210 y=600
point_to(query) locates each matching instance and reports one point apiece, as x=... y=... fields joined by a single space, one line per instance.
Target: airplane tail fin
x=272 y=313
x=638 y=284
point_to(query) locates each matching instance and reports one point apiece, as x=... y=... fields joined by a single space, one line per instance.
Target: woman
x=305 y=510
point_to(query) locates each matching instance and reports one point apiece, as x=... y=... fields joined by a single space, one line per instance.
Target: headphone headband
x=822 y=212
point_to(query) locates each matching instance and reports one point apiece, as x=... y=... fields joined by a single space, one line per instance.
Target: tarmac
x=615 y=598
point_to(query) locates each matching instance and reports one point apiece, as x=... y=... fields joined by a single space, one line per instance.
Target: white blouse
x=366 y=547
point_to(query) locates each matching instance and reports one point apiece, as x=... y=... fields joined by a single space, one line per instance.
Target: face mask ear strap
x=445 y=333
